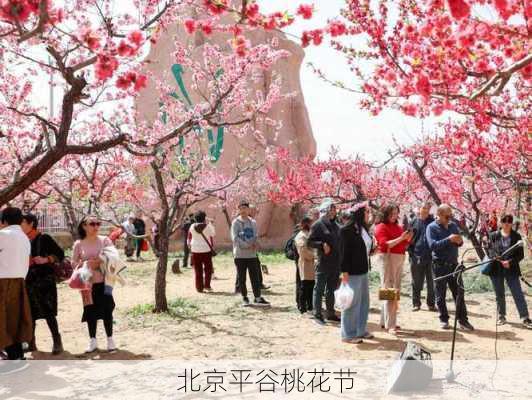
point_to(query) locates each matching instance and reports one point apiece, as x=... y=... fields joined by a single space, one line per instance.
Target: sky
x=334 y=113
x=336 y=119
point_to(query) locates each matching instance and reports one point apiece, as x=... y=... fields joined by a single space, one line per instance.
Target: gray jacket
x=244 y=237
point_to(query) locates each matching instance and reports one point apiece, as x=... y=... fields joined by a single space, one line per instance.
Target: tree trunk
x=528 y=221
x=227 y=216
x=71 y=220
x=518 y=205
x=420 y=170
x=475 y=242
x=161 y=304
x=296 y=213
x=436 y=198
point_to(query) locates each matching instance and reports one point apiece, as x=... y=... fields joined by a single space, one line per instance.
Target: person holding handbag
x=41 y=281
x=201 y=243
x=392 y=243
x=507 y=269
x=98 y=304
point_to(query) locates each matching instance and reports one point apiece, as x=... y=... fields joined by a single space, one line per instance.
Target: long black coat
x=353 y=252
x=40 y=281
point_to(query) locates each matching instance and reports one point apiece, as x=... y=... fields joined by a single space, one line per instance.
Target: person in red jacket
x=392 y=242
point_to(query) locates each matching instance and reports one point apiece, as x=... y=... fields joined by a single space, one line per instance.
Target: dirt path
x=214 y=326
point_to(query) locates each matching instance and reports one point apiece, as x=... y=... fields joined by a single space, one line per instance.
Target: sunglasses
x=94 y=223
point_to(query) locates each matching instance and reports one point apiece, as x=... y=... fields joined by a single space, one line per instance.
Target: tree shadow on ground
x=501 y=335
x=273 y=309
x=393 y=344
x=216 y=329
x=224 y=294
x=440 y=336
x=97 y=355
x=518 y=325
x=477 y=315
x=269 y=292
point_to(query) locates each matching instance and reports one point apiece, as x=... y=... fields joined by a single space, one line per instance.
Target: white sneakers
x=93 y=345
x=111 y=344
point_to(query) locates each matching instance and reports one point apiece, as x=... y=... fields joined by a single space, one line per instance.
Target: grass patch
x=267 y=257
x=273 y=257
x=374 y=279
x=474 y=282
x=140 y=310
x=177 y=308
x=140 y=271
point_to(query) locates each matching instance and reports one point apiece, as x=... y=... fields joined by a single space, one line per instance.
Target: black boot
x=57 y=347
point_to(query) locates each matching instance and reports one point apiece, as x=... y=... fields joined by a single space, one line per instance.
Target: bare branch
x=96 y=147
x=36 y=116
x=502 y=77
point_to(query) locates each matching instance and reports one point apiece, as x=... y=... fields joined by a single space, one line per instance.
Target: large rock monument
x=275 y=223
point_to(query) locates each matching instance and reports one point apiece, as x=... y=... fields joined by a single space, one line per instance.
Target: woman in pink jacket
x=97 y=302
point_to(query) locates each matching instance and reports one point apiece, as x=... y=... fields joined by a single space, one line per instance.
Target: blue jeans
x=517 y=293
x=355 y=318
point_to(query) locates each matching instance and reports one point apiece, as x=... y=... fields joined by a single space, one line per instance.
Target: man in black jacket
x=325 y=236
x=140 y=230
x=420 y=259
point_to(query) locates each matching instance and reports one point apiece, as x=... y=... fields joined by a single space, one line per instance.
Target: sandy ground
x=216 y=327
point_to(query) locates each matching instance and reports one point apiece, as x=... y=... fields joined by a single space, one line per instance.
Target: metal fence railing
x=53 y=220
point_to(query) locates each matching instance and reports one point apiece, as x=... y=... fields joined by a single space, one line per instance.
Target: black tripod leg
x=450 y=374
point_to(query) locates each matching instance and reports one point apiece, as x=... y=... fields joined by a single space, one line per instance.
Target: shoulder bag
x=213 y=252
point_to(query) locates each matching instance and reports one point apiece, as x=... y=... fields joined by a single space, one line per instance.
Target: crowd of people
x=329 y=249
x=28 y=279
x=28 y=282
x=333 y=249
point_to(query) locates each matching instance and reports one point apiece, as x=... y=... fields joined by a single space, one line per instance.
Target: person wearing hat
x=16 y=325
x=245 y=246
x=305 y=265
x=324 y=236
x=507 y=269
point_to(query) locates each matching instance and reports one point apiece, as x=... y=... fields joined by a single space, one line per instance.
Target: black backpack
x=290 y=249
